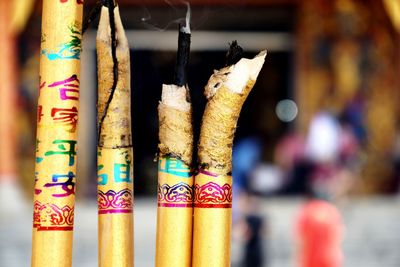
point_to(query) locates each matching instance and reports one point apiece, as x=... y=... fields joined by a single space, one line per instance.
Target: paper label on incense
x=115 y=180
x=56 y=144
x=212 y=191
x=212 y=220
x=175 y=183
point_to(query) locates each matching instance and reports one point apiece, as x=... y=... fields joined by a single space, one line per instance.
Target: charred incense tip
x=182 y=60
x=234 y=53
x=109 y=3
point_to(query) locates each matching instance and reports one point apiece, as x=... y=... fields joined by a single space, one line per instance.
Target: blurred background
x=318 y=137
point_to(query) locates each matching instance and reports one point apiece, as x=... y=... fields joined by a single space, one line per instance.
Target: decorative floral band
x=50 y=217
x=115 y=202
x=213 y=195
x=178 y=195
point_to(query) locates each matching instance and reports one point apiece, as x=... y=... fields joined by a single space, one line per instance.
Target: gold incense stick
x=226 y=92
x=8 y=95
x=115 y=153
x=56 y=133
x=175 y=180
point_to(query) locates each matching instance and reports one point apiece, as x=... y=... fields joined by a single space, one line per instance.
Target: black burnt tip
x=182 y=60
x=234 y=54
x=109 y=3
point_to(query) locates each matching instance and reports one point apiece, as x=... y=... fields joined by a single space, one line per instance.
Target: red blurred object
x=319 y=232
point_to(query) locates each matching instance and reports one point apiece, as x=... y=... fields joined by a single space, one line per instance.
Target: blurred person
x=289 y=157
x=246 y=156
x=318 y=233
x=332 y=151
x=266 y=179
x=322 y=144
x=252 y=230
x=289 y=150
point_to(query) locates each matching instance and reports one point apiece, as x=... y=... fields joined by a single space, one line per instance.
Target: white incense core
x=243 y=71
x=175 y=97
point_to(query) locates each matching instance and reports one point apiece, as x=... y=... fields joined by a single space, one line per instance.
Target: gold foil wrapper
x=218 y=128
x=56 y=144
x=212 y=220
x=176 y=133
x=174 y=214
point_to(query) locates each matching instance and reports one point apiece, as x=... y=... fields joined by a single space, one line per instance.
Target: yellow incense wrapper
x=56 y=133
x=174 y=214
x=115 y=152
x=213 y=220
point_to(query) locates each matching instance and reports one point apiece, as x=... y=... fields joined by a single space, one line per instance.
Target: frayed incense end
x=235 y=77
x=175 y=119
x=226 y=92
x=104 y=30
x=113 y=105
x=243 y=71
x=175 y=97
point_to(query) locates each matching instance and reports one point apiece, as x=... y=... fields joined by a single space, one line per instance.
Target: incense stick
x=58 y=105
x=175 y=180
x=226 y=92
x=115 y=153
x=8 y=96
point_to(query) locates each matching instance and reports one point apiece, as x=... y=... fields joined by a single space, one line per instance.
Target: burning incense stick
x=56 y=133
x=175 y=180
x=115 y=153
x=226 y=92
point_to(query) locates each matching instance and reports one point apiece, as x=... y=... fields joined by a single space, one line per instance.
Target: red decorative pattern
x=115 y=202
x=50 y=217
x=213 y=195
x=178 y=195
x=77 y=1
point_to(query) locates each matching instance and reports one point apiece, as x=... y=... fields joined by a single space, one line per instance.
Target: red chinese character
x=67 y=116
x=69 y=88
x=39 y=113
x=41 y=85
x=37 y=190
